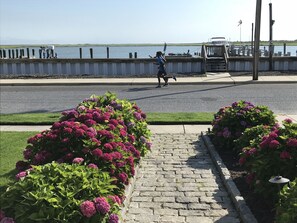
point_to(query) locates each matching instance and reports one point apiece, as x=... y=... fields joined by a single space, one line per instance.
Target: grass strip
x=12 y=145
x=153 y=118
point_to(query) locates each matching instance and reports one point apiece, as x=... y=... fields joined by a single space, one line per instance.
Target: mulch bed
x=262 y=209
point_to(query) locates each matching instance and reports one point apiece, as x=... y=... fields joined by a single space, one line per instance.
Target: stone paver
x=177 y=182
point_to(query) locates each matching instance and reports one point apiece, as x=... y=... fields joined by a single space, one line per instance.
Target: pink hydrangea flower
x=288 y=120
x=250 y=178
x=78 y=160
x=274 y=144
x=22 y=165
x=88 y=208
x=107 y=157
x=114 y=122
x=285 y=155
x=226 y=133
x=115 y=199
x=21 y=175
x=252 y=151
x=102 y=205
x=97 y=152
x=242 y=160
x=108 y=146
x=27 y=153
x=137 y=115
x=113 y=218
x=131 y=138
x=292 y=142
x=92 y=165
x=123 y=177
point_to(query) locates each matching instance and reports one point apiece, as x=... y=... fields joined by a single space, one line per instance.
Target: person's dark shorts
x=162 y=72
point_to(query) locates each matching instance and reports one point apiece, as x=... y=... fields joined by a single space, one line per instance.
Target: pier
x=212 y=58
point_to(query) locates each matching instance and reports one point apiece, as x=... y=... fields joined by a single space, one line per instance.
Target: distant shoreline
x=266 y=43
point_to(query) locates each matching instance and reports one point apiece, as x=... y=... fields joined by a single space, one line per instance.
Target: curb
x=128 y=194
x=144 y=83
x=245 y=213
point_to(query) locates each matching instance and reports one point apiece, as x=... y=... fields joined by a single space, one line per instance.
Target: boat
x=219 y=41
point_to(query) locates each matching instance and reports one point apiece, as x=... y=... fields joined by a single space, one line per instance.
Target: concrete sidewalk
x=211 y=78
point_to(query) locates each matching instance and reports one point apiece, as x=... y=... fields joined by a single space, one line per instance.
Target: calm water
x=142 y=51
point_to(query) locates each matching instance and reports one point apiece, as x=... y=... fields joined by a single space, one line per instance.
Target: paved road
x=281 y=98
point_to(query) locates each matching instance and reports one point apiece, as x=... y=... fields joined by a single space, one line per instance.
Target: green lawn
x=152 y=118
x=12 y=145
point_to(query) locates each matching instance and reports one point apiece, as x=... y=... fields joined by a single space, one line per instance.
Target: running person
x=162 y=70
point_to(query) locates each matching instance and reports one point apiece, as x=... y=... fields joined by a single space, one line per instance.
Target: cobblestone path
x=177 y=182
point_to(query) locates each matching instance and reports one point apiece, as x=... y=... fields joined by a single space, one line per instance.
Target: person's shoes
x=159 y=86
x=165 y=85
x=174 y=78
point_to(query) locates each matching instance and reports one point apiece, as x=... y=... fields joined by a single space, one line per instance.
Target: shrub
x=109 y=137
x=130 y=113
x=230 y=122
x=60 y=193
x=287 y=205
x=276 y=154
x=106 y=134
x=252 y=136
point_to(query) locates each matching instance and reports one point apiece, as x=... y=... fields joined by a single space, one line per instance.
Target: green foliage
x=251 y=137
x=54 y=192
x=275 y=154
x=287 y=205
x=230 y=122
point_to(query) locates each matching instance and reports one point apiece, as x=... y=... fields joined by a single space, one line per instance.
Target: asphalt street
x=280 y=98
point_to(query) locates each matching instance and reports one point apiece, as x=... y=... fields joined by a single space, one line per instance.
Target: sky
x=140 y=21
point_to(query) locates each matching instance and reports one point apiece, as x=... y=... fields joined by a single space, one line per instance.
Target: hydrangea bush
x=111 y=137
x=275 y=154
x=103 y=133
x=252 y=136
x=230 y=122
x=61 y=193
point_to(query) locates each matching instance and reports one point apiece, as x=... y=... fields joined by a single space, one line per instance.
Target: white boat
x=219 y=41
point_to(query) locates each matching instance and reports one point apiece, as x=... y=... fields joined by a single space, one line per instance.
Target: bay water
x=142 y=51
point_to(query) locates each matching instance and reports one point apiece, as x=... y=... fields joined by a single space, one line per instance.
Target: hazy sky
x=140 y=21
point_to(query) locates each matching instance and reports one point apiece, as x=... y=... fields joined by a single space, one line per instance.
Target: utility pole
x=271 y=47
x=257 y=39
x=252 y=40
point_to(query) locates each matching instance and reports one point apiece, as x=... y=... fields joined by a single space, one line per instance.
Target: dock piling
x=91 y=53
x=80 y=53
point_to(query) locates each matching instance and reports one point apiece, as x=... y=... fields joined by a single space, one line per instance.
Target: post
x=9 y=53
x=40 y=53
x=107 y=52
x=130 y=55
x=12 y=51
x=33 y=53
x=257 y=39
x=1 y=53
x=135 y=54
x=252 y=43
x=80 y=53
x=4 y=53
x=285 y=49
x=91 y=53
x=28 y=53
x=270 y=37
